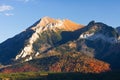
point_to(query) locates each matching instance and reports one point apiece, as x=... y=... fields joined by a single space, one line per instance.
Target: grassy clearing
x=60 y=76
x=22 y=76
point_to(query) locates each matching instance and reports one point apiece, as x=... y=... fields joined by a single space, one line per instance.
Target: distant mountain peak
x=99 y=30
x=46 y=20
x=91 y=23
x=51 y=23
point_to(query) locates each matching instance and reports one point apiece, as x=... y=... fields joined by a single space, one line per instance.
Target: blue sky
x=17 y=15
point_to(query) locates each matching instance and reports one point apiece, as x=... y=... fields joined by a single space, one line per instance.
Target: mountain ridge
x=53 y=37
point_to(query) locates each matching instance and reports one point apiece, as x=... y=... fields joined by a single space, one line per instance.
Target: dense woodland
x=69 y=62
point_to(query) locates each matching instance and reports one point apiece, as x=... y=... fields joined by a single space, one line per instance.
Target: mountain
x=22 y=45
x=103 y=41
x=51 y=42
x=118 y=29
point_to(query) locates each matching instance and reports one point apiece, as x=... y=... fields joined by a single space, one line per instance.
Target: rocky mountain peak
x=43 y=22
x=98 y=30
x=46 y=23
x=91 y=23
x=46 y=20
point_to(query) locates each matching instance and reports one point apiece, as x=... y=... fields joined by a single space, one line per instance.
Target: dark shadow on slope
x=68 y=36
x=71 y=36
x=14 y=45
x=47 y=50
x=113 y=56
x=100 y=46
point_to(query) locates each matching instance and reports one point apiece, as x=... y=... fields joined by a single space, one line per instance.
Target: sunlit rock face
x=44 y=25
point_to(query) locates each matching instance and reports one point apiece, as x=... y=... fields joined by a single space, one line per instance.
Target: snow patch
x=83 y=36
x=28 y=59
x=93 y=36
x=37 y=54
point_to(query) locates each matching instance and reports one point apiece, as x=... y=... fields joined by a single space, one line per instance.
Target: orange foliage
x=25 y=68
x=70 y=63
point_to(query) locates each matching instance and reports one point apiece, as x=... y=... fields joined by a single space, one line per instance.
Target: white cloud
x=5 y=8
x=8 y=14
